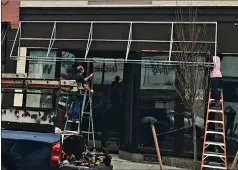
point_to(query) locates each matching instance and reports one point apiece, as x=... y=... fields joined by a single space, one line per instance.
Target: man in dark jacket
x=230 y=118
x=75 y=108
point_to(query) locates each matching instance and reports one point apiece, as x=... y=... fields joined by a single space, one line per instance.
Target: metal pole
x=19 y=26
x=52 y=39
x=215 y=41
x=129 y=41
x=19 y=42
x=118 y=22
x=89 y=40
x=118 y=40
x=171 y=41
x=100 y=60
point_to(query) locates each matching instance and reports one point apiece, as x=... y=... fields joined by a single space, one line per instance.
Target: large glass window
x=67 y=68
x=107 y=93
x=157 y=100
x=41 y=70
x=230 y=86
x=107 y=101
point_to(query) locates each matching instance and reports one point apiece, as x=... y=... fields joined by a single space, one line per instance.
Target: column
x=131 y=98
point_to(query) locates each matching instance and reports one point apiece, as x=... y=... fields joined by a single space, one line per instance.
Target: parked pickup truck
x=28 y=140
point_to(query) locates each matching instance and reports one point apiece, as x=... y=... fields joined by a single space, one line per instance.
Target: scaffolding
x=54 y=37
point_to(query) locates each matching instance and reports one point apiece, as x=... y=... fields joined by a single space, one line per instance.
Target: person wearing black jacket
x=230 y=118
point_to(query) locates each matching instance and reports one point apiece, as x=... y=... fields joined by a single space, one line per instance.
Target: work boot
x=217 y=103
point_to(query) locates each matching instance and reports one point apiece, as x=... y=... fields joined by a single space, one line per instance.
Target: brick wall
x=10 y=12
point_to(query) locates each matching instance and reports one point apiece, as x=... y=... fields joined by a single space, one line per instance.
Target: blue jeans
x=74 y=109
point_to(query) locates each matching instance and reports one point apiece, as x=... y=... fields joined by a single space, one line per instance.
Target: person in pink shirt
x=216 y=78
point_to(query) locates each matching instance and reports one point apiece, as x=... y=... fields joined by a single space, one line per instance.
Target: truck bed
x=22 y=150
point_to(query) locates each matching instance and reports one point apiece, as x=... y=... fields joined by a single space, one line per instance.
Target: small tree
x=191 y=72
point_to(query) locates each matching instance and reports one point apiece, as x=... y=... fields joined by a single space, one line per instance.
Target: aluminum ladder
x=87 y=116
x=70 y=122
x=217 y=143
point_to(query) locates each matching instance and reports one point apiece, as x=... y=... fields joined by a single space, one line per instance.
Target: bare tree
x=192 y=78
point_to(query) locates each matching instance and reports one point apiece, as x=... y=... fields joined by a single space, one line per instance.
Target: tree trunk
x=194 y=141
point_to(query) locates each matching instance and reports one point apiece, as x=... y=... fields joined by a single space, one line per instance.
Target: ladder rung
x=213 y=167
x=214 y=154
x=211 y=100
x=86 y=113
x=87 y=132
x=214 y=121
x=87 y=117
x=71 y=121
x=215 y=111
x=214 y=132
x=69 y=131
x=214 y=143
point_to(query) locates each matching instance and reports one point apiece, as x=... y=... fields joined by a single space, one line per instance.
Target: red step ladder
x=218 y=158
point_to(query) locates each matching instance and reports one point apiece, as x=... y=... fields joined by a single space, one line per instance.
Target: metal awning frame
x=90 y=39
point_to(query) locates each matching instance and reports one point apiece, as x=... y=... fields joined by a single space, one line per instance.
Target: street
x=123 y=164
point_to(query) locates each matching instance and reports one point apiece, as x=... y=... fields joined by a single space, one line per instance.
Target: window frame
x=57 y=76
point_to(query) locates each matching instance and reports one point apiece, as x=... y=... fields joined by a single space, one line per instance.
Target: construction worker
x=216 y=79
x=75 y=107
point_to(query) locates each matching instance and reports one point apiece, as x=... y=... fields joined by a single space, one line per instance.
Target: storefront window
x=230 y=86
x=67 y=67
x=108 y=84
x=157 y=101
x=105 y=114
x=41 y=70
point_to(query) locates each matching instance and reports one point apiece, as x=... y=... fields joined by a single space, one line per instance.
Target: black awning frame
x=52 y=39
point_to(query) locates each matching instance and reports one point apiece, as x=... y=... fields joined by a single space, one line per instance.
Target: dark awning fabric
x=92 y=36
x=5 y=28
x=101 y=31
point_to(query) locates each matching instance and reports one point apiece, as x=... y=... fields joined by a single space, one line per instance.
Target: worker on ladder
x=75 y=107
x=214 y=154
x=216 y=79
x=216 y=84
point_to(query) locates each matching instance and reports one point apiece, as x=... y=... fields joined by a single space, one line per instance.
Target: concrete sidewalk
x=123 y=164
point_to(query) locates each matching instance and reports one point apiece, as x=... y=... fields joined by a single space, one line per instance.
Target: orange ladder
x=219 y=155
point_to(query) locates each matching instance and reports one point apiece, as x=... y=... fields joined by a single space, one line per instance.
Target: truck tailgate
x=23 y=150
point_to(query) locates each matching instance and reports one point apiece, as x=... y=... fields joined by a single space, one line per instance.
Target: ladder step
x=69 y=131
x=213 y=167
x=87 y=117
x=214 y=143
x=87 y=132
x=215 y=111
x=214 y=132
x=86 y=113
x=214 y=121
x=214 y=154
x=71 y=121
x=211 y=100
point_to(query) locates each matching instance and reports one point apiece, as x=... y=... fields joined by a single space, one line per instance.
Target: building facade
x=9 y=25
x=146 y=90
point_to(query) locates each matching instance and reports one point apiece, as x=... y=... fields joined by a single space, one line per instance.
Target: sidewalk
x=123 y=164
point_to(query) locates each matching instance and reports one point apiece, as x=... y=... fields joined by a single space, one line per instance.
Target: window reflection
x=41 y=70
x=67 y=70
x=230 y=84
x=157 y=101
x=107 y=83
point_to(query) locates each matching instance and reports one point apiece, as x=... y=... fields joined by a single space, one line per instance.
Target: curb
x=169 y=161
